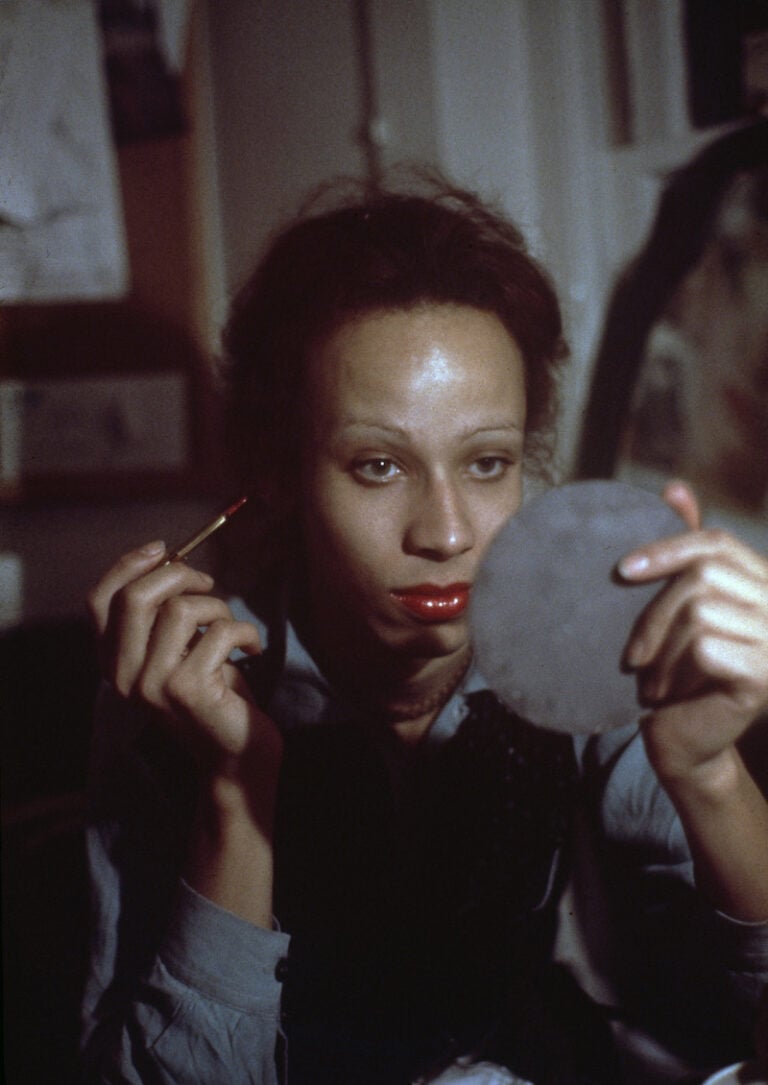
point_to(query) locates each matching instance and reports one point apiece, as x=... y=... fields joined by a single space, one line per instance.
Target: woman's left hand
x=700 y=649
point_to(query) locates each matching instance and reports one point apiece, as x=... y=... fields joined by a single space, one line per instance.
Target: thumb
x=680 y=497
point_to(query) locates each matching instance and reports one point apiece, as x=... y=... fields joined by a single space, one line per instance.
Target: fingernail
x=677 y=488
x=633 y=565
x=153 y=549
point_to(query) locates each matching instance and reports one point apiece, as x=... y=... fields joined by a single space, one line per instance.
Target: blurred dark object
x=145 y=95
x=714 y=47
x=49 y=680
x=720 y=39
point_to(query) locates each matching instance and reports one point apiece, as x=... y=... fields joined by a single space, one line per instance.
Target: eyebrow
x=500 y=426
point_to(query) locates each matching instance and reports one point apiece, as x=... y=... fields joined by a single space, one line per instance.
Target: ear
x=680 y=497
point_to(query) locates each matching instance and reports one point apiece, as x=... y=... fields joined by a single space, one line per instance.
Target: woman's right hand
x=166 y=641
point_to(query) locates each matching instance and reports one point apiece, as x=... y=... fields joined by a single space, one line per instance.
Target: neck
x=403 y=691
x=425 y=692
x=410 y=701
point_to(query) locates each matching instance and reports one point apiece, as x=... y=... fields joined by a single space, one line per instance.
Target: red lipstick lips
x=434 y=602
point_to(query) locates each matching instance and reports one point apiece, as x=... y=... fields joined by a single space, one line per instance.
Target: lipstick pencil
x=205 y=532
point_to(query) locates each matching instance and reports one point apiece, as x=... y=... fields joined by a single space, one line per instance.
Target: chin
x=431 y=641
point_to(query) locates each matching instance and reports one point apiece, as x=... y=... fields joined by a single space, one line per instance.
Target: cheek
x=501 y=509
x=346 y=536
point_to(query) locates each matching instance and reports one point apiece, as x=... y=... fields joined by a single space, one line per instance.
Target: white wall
x=522 y=110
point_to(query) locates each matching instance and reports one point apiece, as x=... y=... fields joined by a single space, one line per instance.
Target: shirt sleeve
x=687 y=974
x=178 y=989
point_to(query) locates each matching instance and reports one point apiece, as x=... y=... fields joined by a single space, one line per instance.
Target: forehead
x=421 y=357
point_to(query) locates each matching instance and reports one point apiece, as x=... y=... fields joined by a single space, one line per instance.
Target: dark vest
x=420 y=892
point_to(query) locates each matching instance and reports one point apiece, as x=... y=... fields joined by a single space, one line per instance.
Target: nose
x=440 y=526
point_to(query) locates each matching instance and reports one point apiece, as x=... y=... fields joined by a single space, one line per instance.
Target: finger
x=681 y=498
x=220 y=640
x=736 y=664
x=204 y=686
x=702 y=649
x=132 y=617
x=669 y=556
x=128 y=568
x=693 y=595
x=176 y=629
x=717 y=664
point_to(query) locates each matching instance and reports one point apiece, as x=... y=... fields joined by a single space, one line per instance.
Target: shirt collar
x=304 y=697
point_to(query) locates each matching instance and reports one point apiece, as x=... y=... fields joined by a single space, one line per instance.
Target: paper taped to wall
x=61 y=229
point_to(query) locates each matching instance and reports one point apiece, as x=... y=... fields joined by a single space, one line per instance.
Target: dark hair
x=388 y=250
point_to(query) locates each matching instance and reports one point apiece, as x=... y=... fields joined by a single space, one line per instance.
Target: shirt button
x=281 y=970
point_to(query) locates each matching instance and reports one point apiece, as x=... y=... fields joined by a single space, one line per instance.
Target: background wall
x=568 y=114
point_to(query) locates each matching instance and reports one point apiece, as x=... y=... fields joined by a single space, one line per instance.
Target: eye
x=379 y=469
x=490 y=467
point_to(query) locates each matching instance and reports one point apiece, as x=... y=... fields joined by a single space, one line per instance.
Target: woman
x=392 y=365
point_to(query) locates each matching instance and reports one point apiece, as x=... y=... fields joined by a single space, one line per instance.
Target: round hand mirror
x=550 y=617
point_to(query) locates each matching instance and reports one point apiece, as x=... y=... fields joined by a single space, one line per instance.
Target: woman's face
x=413 y=461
